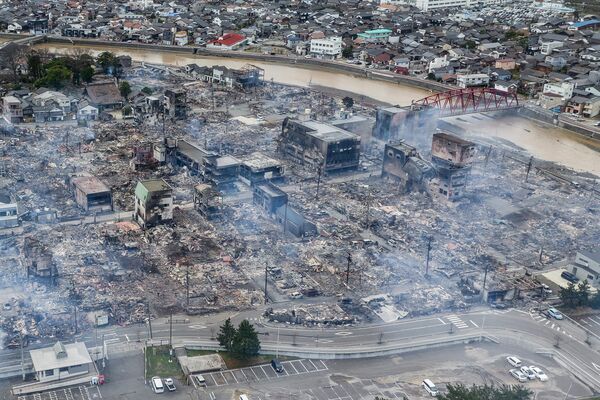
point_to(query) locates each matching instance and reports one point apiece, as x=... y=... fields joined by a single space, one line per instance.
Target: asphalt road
x=511 y=327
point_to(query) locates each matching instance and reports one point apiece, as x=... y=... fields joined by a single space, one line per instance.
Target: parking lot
x=263 y=372
x=75 y=393
x=591 y=323
x=357 y=390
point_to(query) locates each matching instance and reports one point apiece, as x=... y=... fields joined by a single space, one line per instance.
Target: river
x=540 y=140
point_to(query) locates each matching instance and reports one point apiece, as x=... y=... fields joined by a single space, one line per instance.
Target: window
x=49 y=372
x=64 y=369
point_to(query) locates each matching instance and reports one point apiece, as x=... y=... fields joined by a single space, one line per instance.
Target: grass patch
x=160 y=363
x=233 y=362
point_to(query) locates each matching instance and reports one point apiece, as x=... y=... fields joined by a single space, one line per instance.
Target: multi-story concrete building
x=92 y=194
x=376 y=35
x=9 y=212
x=587 y=266
x=548 y=47
x=427 y=5
x=470 y=80
x=562 y=89
x=176 y=103
x=452 y=157
x=402 y=164
x=328 y=47
x=153 y=202
x=320 y=145
x=12 y=109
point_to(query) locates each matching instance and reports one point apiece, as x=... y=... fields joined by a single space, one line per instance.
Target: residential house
x=104 y=95
x=229 y=41
x=587 y=267
x=588 y=107
x=507 y=64
x=87 y=112
x=470 y=80
x=12 y=109
x=62 y=362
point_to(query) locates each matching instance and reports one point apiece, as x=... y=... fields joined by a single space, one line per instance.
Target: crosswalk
x=550 y=324
x=456 y=321
x=592 y=322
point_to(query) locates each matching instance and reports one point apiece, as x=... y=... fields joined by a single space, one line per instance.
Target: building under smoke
x=38 y=259
x=219 y=171
x=208 y=201
x=257 y=168
x=318 y=144
x=176 y=103
x=452 y=157
x=403 y=164
x=9 y=212
x=414 y=125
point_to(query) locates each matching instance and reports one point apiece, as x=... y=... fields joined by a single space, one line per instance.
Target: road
x=514 y=327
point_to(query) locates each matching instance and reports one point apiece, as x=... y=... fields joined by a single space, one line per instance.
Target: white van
x=157 y=385
x=430 y=387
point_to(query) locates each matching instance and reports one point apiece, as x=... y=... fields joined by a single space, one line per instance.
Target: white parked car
x=539 y=373
x=518 y=375
x=296 y=295
x=157 y=385
x=528 y=372
x=514 y=361
x=430 y=387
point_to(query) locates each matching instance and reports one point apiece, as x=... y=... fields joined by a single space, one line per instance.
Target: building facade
x=153 y=203
x=328 y=47
x=320 y=145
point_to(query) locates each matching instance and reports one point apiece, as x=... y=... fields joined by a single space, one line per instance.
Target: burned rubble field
x=505 y=223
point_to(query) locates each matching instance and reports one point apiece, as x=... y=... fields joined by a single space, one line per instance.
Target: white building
x=468 y=80
x=61 y=362
x=438 y=62
x=426 y=5
x=548 y=47
x=328 y=47
x=153 y=202
x=12 y=109
x=9 y=212
x=562 y=89
x=587 y=266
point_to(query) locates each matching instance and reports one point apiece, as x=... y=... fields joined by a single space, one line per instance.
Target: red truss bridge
x=470 y=100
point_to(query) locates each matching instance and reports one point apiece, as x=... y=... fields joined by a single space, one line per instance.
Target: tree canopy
x=243 y=341
x=486 y=392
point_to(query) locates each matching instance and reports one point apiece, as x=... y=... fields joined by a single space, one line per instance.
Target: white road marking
x=197 y=327
x=552 y=327
x=476 y=326
x=343 y=333
x=547 y=322
x=442 y=321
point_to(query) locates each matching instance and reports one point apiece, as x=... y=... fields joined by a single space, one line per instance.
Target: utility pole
x=487 y=156
x=348 y=268
x=171 y=329
x=429 y=239
x=149 y=321
x=529 y=168
x=484 y=279
x=285 y=219
x=187 y=287
x=266 y=275
x=22 y=361
x=320 y=170
x=76 y=325
x=368 y=209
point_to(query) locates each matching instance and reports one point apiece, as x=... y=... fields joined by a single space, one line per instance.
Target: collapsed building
x=143 y=157
x=403 y=164
x=208 y=201
x=175 y=103
x=38 y=259
x=320 y=145
x=153 y=202
x=92 y=194
x=274 y=202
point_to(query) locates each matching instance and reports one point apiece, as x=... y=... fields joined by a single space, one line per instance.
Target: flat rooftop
x=227 y=161
x=452 y=138
x=271 y=190
x=155 y=185
x=260 y=161
x=90 y=185
x=192 y=151
x=327 y=132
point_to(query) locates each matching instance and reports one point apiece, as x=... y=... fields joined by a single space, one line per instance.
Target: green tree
x=55 y=77
x=227 y=334
x=568 y=295
x=485 y=392
x=245 y=341
x=147 y=90
x=348 y=52
x=583 y=293
x=87 y=74
x=106 y=60
x=35 y=66
x=470 y=44
x=125 y=89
